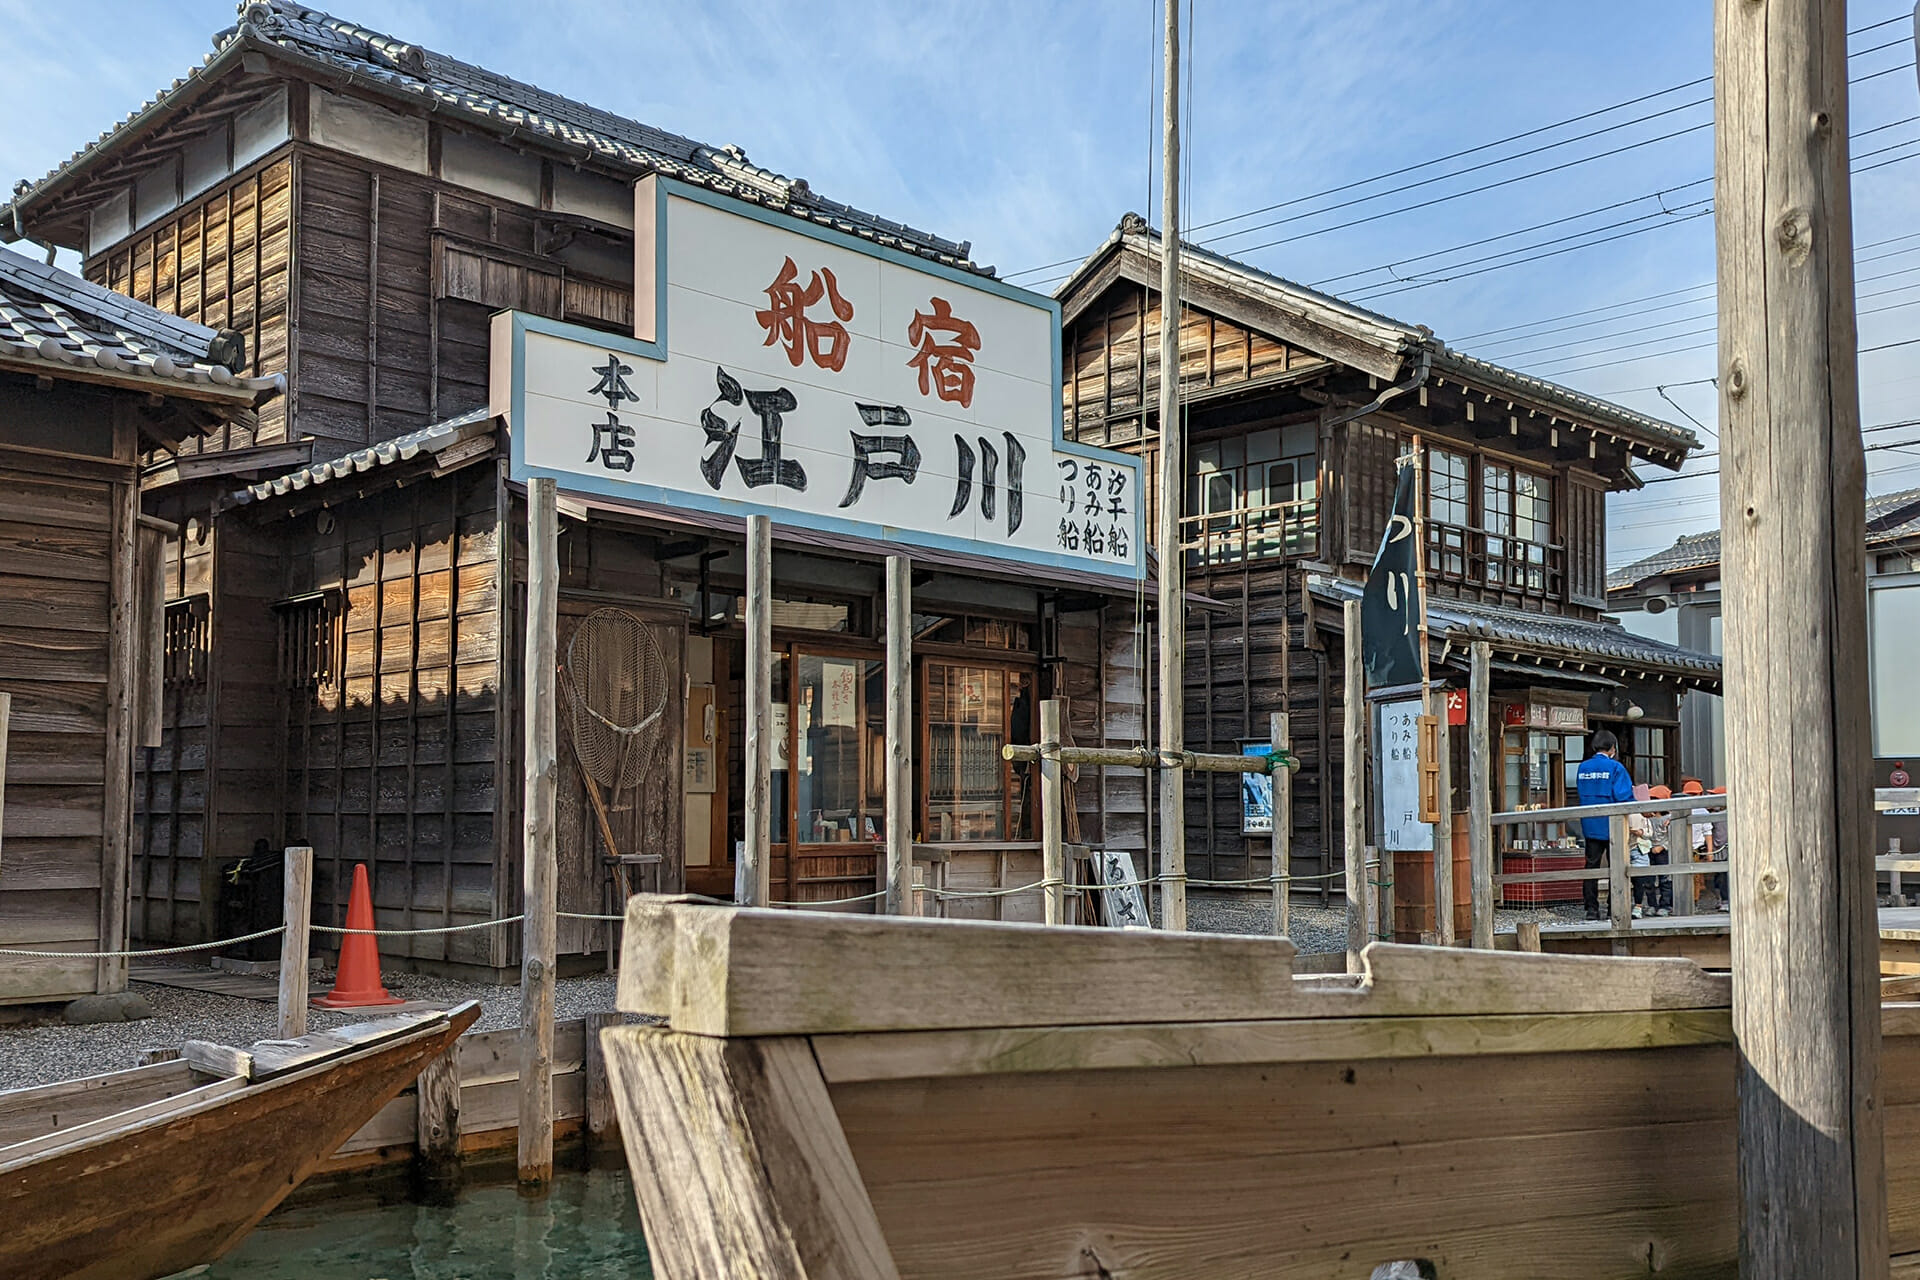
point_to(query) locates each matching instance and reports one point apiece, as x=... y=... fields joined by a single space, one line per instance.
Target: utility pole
x=1173 y=573
x=1806 y=1000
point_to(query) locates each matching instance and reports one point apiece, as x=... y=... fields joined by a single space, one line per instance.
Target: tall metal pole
x=1173 y=575
x=899 y=735
x=1806 y=1000
x=537 y=838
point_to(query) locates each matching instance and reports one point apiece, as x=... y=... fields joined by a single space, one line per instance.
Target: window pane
x=1264 y=446
x=968 y=721
x=831 y=783
x=1893 y=621
x=1298 y=441
x=782 y=753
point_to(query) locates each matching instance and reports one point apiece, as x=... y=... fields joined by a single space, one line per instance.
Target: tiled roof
x=385 y=64
x=1394 y=337
x=1891 y=517
x=436 y=439
x=1549 y=636
x=53 y=317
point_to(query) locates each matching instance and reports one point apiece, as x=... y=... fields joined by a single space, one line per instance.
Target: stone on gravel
x=120 y=1006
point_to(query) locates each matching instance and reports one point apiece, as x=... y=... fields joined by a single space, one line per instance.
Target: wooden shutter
x=1367 y=481
x=1586 y=541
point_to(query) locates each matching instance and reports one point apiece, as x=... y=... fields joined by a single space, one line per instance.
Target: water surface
x=586 y=1229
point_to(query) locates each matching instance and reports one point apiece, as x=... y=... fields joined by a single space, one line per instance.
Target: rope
x=580 y=915
x=831 y=902
x=409 y=933
x=136 y=955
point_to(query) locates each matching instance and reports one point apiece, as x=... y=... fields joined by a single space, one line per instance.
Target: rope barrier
x=831 y=902
x=137 y=955
x=409 y=933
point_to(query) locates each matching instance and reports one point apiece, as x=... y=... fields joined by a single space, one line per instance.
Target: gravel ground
x=41 y=1054
x=1319 y=929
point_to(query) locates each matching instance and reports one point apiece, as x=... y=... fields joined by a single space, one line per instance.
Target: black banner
x=1390 y=613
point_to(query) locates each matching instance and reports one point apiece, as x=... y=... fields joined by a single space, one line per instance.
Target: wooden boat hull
x=840 y=1099
x=178 y=1189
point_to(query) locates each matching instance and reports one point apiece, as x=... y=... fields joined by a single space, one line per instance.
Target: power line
x=1424 y=164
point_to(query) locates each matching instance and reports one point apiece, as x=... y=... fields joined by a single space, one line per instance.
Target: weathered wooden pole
x=899 y=735
x=1279 y=740
x=6 y=716
x=1354 y=789
x=753 y=876
x=1619 y=881
x=1053 y=858
x=537 y=840
x=296 y=907
x=1443 y=830
x=1173 y=572
x=1806 y=1003
x=1480 y=791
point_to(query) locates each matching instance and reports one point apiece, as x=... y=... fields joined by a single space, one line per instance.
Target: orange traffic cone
x=358 y=982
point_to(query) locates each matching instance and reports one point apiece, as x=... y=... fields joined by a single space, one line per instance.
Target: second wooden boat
x=138 y=1174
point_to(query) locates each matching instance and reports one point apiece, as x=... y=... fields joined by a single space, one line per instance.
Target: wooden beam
x=1172 y=581
x=123 y=655
x=1354 y=791
x=1480 y=791
x=1053 y=860
x=899 y=744
x=6 y=718
x=1443 y=826
x=437 y=1120
x=296 y=907
x=599 y=1089
x=150 y=564
x=1279 y=739
x=1812 y=1149
x=753 y=876
x=754 y=1179
x=538 y=856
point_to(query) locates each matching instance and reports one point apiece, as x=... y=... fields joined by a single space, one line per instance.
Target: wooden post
x=537 y=845
x=753 y=875
x=6 y=716
x=1172 y=567
x=1527 y=935
x=899 y=736
x=1355 y=786
x=1280 y=740
x=594 y=1064
x=1806 y=1002
x=123 y=654
x=436 y=1119
x=150 y=564
x=1443 y=820
x=1619 y=883
x=1480 y=792
x=297 y=913
x=1053 y=859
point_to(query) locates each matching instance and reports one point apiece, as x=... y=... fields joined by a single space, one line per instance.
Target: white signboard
x=1397 y=756
x=786 y=368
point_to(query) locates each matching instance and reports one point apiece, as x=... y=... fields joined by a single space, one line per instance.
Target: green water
x=586 y=1229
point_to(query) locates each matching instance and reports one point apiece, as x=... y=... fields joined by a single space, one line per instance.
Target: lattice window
x=184 y=643
x=308 y=640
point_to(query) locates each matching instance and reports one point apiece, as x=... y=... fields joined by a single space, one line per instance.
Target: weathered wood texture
x=900 y=735
x=1353 y=788
x=541 y=766
x=66 y=573
x=224 y=259
x=749 y=1173
x=754 y=872
x=173 y=1194
x=1480 y=792
x=1812 y=1194
x=297 y=912
x=1172 y=564
x=733 y=971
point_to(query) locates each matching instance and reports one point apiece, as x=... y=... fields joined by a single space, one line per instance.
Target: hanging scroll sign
x=1390 y=610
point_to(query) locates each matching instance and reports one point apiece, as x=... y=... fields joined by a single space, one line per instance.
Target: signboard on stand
x=1397 y=763
x=785 y=368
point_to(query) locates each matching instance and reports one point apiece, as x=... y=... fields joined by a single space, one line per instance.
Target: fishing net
x=616 y=684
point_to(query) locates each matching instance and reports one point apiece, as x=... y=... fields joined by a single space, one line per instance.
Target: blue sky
x=1029 y=129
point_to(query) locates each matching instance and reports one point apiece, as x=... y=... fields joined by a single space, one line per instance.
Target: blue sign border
x=656 y=350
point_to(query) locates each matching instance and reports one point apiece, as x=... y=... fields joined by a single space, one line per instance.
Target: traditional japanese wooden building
x=1298 y=408
x=89 y=382
x=345 y=601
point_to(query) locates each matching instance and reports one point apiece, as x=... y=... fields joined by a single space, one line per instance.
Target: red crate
x=1536 y=895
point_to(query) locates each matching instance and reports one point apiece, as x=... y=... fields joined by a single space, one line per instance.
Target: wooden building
x=1298 y=405
x=345 y=601
x=89 y=381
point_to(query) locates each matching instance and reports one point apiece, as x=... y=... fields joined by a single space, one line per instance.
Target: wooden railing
x=1618 y=874
x=1497 y=562
x=1270 y=530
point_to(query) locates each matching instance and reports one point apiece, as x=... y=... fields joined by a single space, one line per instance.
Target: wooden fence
x=1618 y=873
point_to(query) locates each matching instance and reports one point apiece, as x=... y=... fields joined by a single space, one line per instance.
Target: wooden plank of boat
x=30 y=1112
x=176 y=1186
x=1537 y=1117
x=745 y=972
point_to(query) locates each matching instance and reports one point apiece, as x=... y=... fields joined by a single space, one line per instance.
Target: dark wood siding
x=1584 y=533
x=224 y=260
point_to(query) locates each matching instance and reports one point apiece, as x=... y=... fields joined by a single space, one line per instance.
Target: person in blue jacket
x=1602 y=780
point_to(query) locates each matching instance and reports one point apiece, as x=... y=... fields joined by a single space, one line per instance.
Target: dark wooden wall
x=170 y=781
x=66 y=548
x=224 y=260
